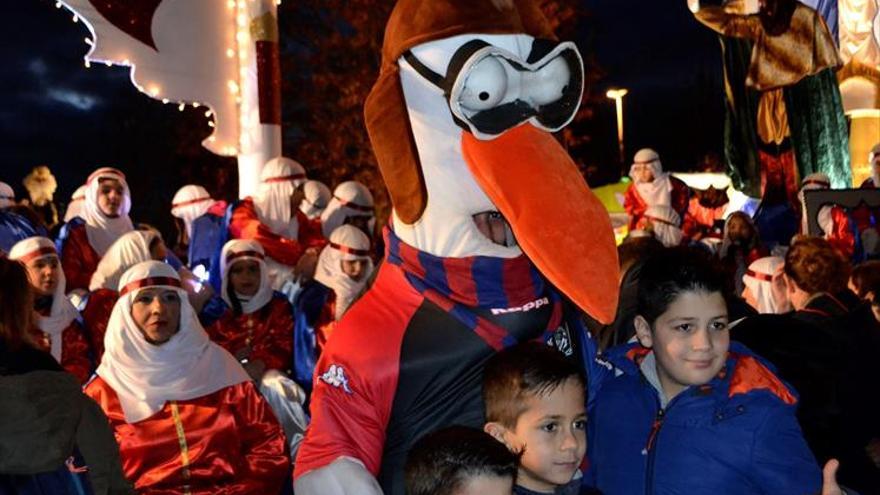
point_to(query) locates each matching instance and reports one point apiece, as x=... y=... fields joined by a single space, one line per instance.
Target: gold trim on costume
x=181 y=440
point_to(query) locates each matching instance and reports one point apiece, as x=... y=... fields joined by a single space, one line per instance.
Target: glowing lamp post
x=617 y=95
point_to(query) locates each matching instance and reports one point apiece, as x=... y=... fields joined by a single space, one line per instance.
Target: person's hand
x=255 y=369
x=829 y=478
x=306 y=266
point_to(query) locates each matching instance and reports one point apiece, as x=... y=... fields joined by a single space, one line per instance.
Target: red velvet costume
x=635 y=206
x=269 y=332
x=78 y=258
x=310 y=234
x=227 y=442
x=96 y=316
x=245 y=224
x=74 y=349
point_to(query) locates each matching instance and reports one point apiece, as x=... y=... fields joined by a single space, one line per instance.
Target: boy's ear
x=643 y=331
x=497 y=430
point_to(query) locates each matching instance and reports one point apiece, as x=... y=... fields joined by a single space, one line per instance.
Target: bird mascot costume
x=495 y=237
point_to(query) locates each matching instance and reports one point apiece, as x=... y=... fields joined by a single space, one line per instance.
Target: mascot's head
x=461 y=120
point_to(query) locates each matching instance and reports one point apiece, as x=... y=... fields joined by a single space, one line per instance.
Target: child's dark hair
x=667 y=274
x=524 y=370
x=440 y=463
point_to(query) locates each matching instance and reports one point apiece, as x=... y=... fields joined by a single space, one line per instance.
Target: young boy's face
x=486 y=484
x=551 y=433
x=690 y=340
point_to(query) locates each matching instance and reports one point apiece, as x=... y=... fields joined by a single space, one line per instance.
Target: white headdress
x=131 y=249
x=349 y=243
x=77 y=204
x=350 y=199
x=102 y=230
x=316 y=198
x=278 y=180
x=658 y=191
x=240 y=250
x=189 y=203
x=144 y=375
x=764 y=280
x=62 y=312
x=7 y=195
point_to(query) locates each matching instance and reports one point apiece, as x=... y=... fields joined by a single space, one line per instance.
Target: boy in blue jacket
x=687 y=411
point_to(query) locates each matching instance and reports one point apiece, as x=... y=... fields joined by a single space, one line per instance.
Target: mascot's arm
x=723 y=21
x=344 y=476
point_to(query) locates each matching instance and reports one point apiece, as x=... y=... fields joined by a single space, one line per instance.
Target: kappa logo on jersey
x=537 y=303
x=335 y=377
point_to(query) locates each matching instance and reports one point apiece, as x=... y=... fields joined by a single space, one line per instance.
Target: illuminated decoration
x=860 y=79
x=221 y=54
x=860 y=31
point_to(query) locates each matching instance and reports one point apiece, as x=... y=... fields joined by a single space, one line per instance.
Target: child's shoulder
x=751 y=377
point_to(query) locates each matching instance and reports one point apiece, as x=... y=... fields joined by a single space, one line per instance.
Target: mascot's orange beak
x=558 y=222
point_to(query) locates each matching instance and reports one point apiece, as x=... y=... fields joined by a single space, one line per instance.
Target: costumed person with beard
x=664 y=223
x=784 y=114
x=255 y=324
x=352 y=204
x=316 y=198
x=76 y=205
x=132 y=248
x=270 y=218
x=341 y=275
x=765 y=287
x=186 y=415
x=652 y=186
x=837 y=226
x=41 y=186
x=58 y=330
x=461 y=126
x=203 y=225
x=740 y=247
x=84 y=240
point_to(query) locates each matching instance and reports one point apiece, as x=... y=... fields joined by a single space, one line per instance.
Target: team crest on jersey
x=335 y=377
x=562 y=340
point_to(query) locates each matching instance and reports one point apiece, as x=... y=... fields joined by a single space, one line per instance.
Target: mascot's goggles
x=490 y=90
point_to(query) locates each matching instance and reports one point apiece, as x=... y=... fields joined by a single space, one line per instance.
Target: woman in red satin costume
x=255 y=325
x=58 y=330
x=86 y=238
x=187 y=418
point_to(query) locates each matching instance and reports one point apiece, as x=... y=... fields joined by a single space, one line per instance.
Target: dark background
x=73 y=119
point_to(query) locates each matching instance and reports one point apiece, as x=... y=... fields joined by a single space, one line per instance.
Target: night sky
x=74 y=119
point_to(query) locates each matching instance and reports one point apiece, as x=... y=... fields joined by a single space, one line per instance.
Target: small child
x=535 y=404
x=686 y=411
x=460 y=461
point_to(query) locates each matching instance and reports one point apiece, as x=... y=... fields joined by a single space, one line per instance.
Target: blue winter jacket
x=735 y=435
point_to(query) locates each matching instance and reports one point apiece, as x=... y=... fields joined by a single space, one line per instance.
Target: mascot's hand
x=344 y=476
x=829 y=479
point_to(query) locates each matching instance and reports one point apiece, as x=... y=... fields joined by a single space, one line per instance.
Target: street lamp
x=617 y=95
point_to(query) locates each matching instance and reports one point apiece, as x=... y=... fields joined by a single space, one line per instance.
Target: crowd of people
x=130 y=364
